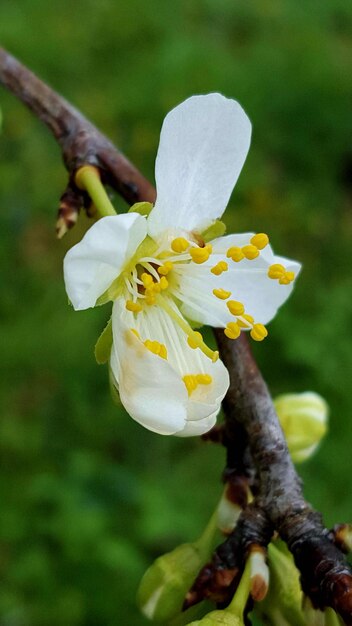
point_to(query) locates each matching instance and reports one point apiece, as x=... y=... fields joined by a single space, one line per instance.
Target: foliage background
x=88 y=497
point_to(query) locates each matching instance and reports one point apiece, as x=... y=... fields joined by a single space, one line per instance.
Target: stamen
x=156 y=348
x=193 y=340
x=260 y=240
x=276 y=271
x=193 y=380
x=232 y=330
x=235 y=307
x=222 y=294
x=194 y=335
x=250 y=252
x=219 y=268
x=135 y=307
x=163 y=270
x=245 y=321
x=147 y=279
x=279 y=272
x=204 y=379
x=235 y=253
x=180 y=244
x=200 y=255
x=258 y=332
x=164 y=283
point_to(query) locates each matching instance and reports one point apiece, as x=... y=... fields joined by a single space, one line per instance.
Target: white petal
x=203 y=144
x=151 y=388
x=91 y=265
x=247 y=281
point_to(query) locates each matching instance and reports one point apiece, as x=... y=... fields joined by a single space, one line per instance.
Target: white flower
x=160 y=273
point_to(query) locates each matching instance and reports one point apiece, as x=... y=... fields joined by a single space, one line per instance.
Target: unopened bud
x=228 y=510
x=166 y=582
x=342 y=534
x=303 y=418
x=259 y=573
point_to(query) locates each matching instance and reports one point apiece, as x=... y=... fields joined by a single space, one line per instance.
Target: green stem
x=238 y=604
x=205 y=541
x=88 y=178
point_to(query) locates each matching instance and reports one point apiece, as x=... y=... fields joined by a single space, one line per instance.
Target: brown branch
x=250 y=416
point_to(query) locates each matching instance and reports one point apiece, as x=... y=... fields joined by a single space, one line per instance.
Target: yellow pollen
x=200 y=255
x=180 y=244
x=222 y=294
x=235 y=253
x=232 y=330
x=147 y=279
x=193 y=380
x=150 y=296
x=163 y=270
x=236 y=308
x=164 y=283
x=135 y=307
x=287 y=278
x=190 y=381
x=276 y=271
x=260 y=240
x=156 y=348
x=245 y=321
x=204 y=379
x=195 y=339
x=135 y=332
x=219 y=268
x=258 y=332
x=250 y=252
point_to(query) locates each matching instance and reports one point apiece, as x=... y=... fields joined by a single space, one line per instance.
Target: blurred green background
x=89 y=498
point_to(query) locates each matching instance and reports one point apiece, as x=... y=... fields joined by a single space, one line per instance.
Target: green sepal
x=216 y=229
x=143 y=208
x=114 y=390
x=103 y=346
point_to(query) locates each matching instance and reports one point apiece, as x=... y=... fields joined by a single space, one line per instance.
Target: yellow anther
x=222 y=294
x=163 y=351
x=180 y=244
x=191 y=383
x=276 y=271
x=235 y=253
x=236 y=308
x=215 y=356
x=204 y=379
x=164 y=283
x=135 y=332
x=155 y=288
x=232 y=330
x=219 y=268
x=260 y=240
x=156 y=348
x=250 y=252
x=258 y=332
x=150 y=296
x=163 y=270
x=286 y=278
x=195 y=339
x=200 y=255
x=135 y=307
x=246 y=321
x=146 y=279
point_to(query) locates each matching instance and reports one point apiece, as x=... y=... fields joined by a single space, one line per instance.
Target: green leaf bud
x=303 y=418
x=165 y=584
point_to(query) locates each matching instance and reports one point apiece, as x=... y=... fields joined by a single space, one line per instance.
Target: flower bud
x=219 y=618
x=166 y=582
x=303 y=418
